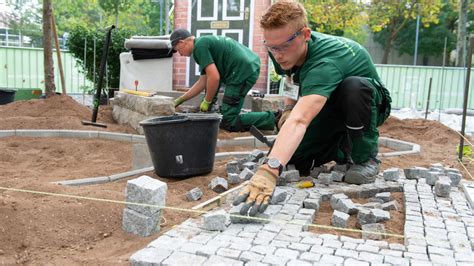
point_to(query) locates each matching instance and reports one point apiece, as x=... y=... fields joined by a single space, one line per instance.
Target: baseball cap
x=178 y=35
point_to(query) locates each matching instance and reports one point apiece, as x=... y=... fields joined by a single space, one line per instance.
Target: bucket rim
x=202 y=116
x=168 y=119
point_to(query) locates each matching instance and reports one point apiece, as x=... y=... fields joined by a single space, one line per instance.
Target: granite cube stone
x=215 y=221
x=140 y=224
x=145 y=190
x=339 y=219
x=194 y=194
x=391 y=174
x=218 y=184
x=369 y=231
x=442 y=188
x=232 y=167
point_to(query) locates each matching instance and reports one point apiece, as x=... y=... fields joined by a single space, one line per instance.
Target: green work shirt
x=235 y=62
x=330 y=59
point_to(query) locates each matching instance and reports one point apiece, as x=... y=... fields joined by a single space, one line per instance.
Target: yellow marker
x=139 y=93
x=305 y=184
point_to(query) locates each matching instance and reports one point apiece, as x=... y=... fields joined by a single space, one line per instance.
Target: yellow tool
x=305 y=184
x=139 y=93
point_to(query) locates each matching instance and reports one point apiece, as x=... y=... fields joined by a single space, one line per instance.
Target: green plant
x=80 y=34
x=87 y=89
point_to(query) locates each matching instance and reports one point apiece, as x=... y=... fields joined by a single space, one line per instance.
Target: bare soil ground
x=45 y=229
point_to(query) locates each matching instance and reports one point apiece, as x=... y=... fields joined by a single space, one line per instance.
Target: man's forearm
x=196 y=88
x=212 y=87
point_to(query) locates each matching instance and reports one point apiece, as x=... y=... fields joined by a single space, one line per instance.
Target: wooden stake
x=58 y=52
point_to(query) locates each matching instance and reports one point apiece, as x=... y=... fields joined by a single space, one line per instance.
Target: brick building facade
x=181 y=21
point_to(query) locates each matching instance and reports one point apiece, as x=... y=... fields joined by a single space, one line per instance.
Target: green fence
x=23 y=68
x=409 y=86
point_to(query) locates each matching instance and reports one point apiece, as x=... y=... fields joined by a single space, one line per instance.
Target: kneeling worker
x=223 y=60
x=339 y=101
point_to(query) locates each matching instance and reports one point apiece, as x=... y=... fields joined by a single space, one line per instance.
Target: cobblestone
x=437 y=230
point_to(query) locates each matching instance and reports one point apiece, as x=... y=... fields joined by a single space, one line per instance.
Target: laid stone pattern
x=143 y=220
x=130 y=109
x=437 y=230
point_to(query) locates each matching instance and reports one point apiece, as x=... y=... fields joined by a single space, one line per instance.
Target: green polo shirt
x=330 y=59
x=235 y=62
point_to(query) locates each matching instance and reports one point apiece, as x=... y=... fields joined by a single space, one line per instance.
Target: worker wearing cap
x=223 y=60
x=335 y=101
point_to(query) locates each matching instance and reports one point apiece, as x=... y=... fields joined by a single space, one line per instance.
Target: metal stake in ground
x=101 y=79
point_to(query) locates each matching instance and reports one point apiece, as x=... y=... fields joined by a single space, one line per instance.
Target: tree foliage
x=431 y=39
x=393 y=16
x=335 y=17
x=80 y=35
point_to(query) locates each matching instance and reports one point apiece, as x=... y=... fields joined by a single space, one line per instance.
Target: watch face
x=274 y=163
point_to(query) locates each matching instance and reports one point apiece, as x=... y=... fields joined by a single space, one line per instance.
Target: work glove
x=204 y=107
x=257 y=193
x=284 y=116
x=178 y=101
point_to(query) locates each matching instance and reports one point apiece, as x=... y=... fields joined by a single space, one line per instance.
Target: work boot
x=363 y=173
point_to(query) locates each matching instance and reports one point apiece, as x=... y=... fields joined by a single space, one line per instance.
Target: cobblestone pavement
x=438 y=231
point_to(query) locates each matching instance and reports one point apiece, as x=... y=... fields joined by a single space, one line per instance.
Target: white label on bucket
x=179 y=159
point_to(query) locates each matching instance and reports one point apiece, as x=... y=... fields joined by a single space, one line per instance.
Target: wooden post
x=58 y=52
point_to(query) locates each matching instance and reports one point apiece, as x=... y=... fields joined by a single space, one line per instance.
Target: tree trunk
x=462 y=25
x=50 y=87
x=388 y=47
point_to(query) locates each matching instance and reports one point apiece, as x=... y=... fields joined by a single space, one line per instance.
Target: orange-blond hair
x=283 y=13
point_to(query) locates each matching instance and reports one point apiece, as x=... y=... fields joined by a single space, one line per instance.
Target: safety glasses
x=284 y=46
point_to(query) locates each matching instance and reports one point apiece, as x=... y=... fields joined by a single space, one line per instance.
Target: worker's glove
x=284 y=116
x=257 y=192
x=204 y=107
x=178 y=101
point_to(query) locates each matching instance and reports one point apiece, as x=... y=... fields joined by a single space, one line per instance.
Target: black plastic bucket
x=7 y=96
x=182 y=145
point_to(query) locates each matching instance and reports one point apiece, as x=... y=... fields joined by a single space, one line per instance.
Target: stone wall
x=130 y=109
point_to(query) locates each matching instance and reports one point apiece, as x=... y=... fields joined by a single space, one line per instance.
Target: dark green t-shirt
x=329 y=61
x=235 y=62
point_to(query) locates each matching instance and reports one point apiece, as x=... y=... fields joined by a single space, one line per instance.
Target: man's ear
x=307 y=33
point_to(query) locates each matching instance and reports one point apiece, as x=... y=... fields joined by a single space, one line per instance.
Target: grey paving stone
x=149 y=256
x=241 y=246
x=190 y=247
x=367 y=248
x=250 y=256
x=393 y=253
x=299 y=247
x=218 y=184
x=442 y=188
x=263 y=249
x=325 y=178
x=391 y=174
x=194 y=194
x=371 y=257
x=233 y=178
x=337 y=176
x=455 y=178
x=369 y=231
x=208 y=250
x=246 y=174
x=416 y=249
x=396 y=246
x=396 y=260
x=215 y=221
x=381 y=215
x=146 y=190
x=279 y=243
x=347 y=253
x=416 y=256
x=298 y=263
x=275 y=260
x=219 y=260
x=349 y=245
x=331 y=259
x=279 y=195
x=182 y=258
x=314 y=241
x=463 y=257
x=140 y=224
x=384 y=196
x=232 y=167
x=322 y=250
x=312 y=203
x=291 y=175
x=352 y=240
x=365 y=216
x=350 y=262
x=310 y=256
x=442 y=259
x=332 y=243
x=339 y=219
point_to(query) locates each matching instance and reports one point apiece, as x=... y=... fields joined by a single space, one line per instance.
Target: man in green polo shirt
x=223 y=60
x=335 y=103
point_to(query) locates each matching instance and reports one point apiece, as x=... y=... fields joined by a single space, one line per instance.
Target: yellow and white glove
x=257 y=193
x=178 y=101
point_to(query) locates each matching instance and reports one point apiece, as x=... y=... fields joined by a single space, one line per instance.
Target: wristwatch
x=273 y=163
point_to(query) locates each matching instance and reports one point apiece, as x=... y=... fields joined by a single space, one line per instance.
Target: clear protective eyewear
x=284 y=46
